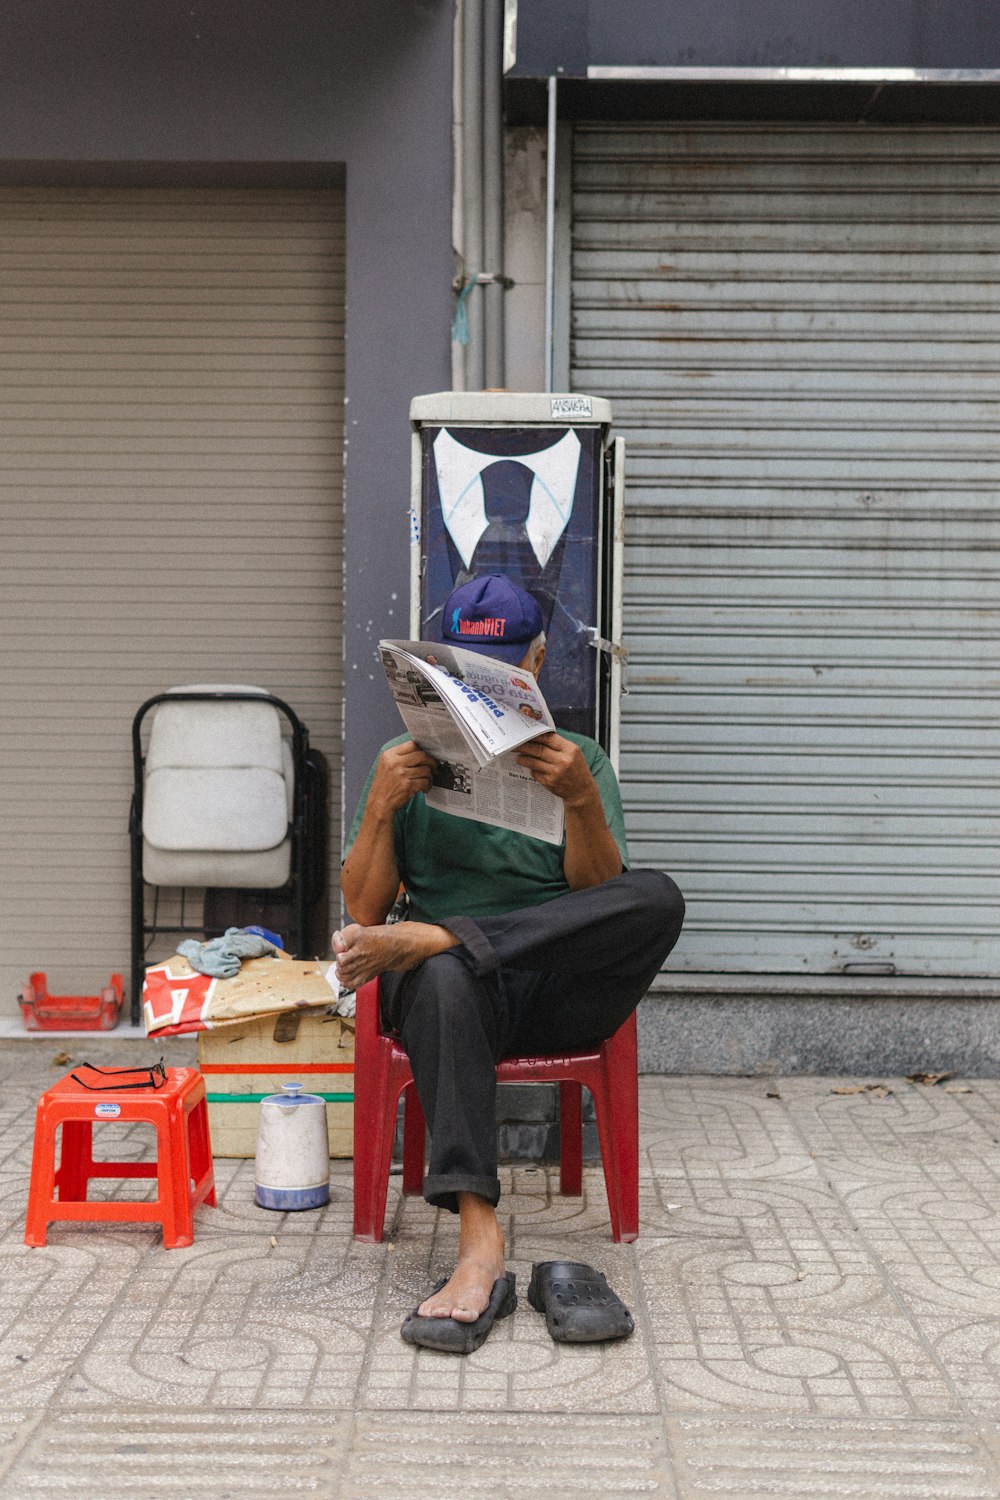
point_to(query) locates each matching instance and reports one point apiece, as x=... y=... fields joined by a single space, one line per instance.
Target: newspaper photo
x=471 y=712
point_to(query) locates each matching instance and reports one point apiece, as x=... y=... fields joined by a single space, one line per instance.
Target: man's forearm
x=369 y=878
x=591 y=854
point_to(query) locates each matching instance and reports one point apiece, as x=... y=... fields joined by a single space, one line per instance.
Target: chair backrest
x=218 y=776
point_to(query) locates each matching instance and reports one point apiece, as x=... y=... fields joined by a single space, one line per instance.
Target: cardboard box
x=244 y=1062
x=177 y=998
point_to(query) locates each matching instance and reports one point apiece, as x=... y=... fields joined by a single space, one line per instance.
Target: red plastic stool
x=382 y=1072
x=183 y=1165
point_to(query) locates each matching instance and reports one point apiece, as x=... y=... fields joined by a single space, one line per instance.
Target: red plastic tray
x=41 y=1011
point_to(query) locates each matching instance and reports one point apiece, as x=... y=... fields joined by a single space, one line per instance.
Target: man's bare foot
x=480 y=1263
x=363 y=952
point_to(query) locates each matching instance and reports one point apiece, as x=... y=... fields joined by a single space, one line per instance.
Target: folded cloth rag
x=222 y=957
x=347 y=1003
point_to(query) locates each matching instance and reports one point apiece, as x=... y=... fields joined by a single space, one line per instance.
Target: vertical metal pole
x=472 y=183
x=416 y=540
x=493 y=296
x=617 y=614
x=458 y=195
x=550 y=233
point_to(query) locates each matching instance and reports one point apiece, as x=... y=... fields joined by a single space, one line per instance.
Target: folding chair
x=223 y=799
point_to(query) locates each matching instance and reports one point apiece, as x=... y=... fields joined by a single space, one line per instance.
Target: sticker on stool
x=107 y=1111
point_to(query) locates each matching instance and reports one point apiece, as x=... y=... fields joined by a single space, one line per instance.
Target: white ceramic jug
x=293 y=1151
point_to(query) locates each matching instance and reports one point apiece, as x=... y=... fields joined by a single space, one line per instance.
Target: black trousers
x=548 y=978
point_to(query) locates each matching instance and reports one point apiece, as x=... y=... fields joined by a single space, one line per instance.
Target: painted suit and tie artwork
x=523 y=502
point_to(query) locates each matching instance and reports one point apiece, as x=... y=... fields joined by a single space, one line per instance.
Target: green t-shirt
x=452 y=865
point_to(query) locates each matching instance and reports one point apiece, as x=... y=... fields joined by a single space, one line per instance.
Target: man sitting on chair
x=513 y=946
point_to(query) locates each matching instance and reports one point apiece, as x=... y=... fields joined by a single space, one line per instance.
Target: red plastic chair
x=382 y=1072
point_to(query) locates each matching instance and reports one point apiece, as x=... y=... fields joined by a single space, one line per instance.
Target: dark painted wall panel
x=552 y=38
x=568 y=35
x=925 y=103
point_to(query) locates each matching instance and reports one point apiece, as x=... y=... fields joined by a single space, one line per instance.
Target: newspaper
x=472 y=712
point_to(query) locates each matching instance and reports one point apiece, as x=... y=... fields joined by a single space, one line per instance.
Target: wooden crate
x=244 y=1062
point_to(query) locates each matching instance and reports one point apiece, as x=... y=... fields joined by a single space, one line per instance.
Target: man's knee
x=659 y=899
x=442 y=995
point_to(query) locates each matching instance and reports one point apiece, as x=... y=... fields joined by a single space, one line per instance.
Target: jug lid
x=292 y=1094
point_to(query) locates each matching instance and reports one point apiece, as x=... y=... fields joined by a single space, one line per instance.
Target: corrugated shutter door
x=800 y=332
x=171 y=409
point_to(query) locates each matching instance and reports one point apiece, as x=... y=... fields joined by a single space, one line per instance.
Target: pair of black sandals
x=579 y=1306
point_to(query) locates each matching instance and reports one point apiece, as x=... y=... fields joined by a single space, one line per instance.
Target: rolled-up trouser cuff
x=476 y=944
x=442 y=1192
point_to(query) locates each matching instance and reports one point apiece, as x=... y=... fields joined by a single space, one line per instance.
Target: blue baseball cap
x=491 y=615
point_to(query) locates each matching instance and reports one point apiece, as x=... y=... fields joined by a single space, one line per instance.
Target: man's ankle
x=480 y=1235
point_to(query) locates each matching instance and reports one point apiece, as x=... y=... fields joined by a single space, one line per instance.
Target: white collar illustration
x=463 y=503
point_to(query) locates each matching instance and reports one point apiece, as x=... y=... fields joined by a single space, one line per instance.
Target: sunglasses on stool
x=142 y=1078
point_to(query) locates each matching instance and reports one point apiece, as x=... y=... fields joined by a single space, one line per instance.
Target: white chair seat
x=218 y=795
x=228 y=810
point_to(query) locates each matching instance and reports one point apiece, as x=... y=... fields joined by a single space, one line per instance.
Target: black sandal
x=579 y=1306
x=448 y=1335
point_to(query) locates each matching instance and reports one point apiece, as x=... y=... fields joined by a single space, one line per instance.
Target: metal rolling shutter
x=171 y=411
x=800 y=331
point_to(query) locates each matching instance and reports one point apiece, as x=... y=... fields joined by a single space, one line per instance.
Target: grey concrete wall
x=242 y=90
x=948 y=1028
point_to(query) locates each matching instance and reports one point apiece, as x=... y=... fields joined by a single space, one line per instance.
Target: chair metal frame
x=308 y=868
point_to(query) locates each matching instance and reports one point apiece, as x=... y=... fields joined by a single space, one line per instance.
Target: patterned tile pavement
x=816 y=1289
